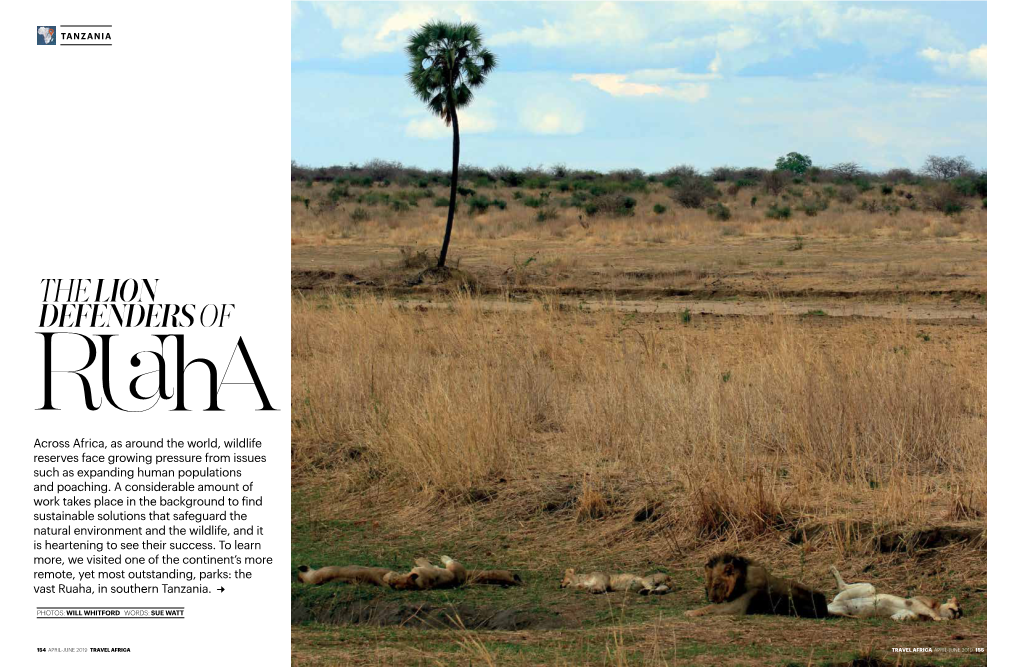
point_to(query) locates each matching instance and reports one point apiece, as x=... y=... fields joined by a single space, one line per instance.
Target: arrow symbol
x=221 y=589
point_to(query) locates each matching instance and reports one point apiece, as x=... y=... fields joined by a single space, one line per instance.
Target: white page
x=162 y=156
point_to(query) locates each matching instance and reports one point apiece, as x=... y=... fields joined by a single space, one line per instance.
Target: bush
x=777 y=212
x=535 y=202
x=946 y=199
x=733 y=189
x=863 y=185
x=499 y=203
x=718 y=211
x=719 y=174
x=847 y=194
x=359 y=215
x=479 y=204
x=514 y=180
x=972 y=185
x=547 y=213
x=886 y=189
x=612 y=205
x=465 y=192
x=400 y=206
x=441 y=201
x=691 y=190
x=811 y=209
x=774 y=181
x=338 y=192
x=659 y=209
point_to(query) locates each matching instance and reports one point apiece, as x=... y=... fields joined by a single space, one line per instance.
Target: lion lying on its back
x=600 y=582
x=739 y=586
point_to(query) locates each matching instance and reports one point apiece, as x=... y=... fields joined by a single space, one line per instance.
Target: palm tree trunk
x=453 y=188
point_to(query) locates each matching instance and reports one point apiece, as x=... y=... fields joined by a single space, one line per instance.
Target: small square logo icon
x=46 y=35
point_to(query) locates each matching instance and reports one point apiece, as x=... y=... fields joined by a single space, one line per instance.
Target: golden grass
x=738 y=424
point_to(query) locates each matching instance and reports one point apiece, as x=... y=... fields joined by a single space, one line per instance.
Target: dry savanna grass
x=745 y=423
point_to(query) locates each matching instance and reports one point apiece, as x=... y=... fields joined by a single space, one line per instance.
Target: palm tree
x=447 y=60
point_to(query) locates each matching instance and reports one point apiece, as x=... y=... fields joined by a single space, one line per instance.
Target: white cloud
x=669 y=82
x=929 y=93
x=476 y=119
x=385 y=30
x=608 y=24
x=972 y=64
x=404 y=21
x=550 y=115
x=295 y=12
x=617 y=86
x=341 y=15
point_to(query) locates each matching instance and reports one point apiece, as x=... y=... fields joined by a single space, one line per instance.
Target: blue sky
x=651 y=85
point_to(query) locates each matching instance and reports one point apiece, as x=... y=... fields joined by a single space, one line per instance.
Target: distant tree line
x=793 y=166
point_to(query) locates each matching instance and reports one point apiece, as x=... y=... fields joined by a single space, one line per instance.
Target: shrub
x=871 y=206
x=612 y=205
x=578 y=198
x=733 y=189
x=499 y=203
x=847 y=194
x=719 y=174
x=946 y=199
x=972 y=186
x=441 y=201
x=691 y=190
x=534 y=202
x=479 y=204
x=886 y=189
x=863 y=185
x=465 y=192
x=513 y=179
x=777 y=212
x=774 y=181
x=547 y=213
x=338 y=192
x=718 y=211
x=563 y=186
x=359 y=215
x=400 y=206
x=659 y=209
x=811 y=209
x=518 y=194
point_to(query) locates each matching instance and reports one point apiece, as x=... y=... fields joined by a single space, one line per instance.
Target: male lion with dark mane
x=737 y=586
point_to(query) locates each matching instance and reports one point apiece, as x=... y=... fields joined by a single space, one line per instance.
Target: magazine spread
x=506 y=333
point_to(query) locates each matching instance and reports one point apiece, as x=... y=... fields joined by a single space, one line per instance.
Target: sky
x=649 y=85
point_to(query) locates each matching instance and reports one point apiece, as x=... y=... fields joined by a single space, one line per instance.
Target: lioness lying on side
x=600 y=582
x=861 y=601
x=738 y=586
x=424 y=576
x=348 y=574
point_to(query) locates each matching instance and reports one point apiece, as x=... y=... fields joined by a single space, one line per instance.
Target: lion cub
x=738 y=586
x=426 y=576
x=861 y=601
x=600 y=582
